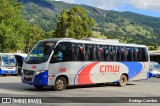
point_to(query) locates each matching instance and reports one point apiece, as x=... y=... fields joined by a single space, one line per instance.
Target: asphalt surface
x=11 y=86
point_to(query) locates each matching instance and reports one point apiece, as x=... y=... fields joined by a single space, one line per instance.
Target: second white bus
x=7 y=64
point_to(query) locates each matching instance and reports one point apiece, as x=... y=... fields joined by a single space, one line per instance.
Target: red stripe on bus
x=84 y=75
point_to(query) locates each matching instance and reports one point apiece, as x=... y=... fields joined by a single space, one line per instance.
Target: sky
x=145 y=7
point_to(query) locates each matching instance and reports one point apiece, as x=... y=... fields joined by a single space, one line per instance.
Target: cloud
x=151 y=5
x=103 y=4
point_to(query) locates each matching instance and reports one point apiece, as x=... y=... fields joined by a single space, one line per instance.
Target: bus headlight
x=39 y=71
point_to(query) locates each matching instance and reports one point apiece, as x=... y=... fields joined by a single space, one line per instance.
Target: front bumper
x=40 y=79
x=154 y=75
x=8 y=72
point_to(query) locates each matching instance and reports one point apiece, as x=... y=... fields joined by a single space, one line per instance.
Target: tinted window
x=106 y=53
x=88 y=51
x=130 y=54
x=92 y=52
x=123 y=58
x=144 y=54
x=62 y=52
x=135 y=54
x=75 y=52
x=40 y=53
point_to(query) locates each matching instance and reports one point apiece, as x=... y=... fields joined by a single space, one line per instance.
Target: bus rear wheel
x=60 y=84
x=122 y=81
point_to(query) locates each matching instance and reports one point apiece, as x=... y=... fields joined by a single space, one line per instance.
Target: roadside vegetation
x=24 y=22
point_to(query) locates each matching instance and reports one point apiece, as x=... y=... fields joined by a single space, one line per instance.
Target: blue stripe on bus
x=41 y=79
x=148 y=75
x=134 y=68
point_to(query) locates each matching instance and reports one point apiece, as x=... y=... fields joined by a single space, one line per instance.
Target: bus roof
x=90 y=41
x=6 y=53
x=20 y=54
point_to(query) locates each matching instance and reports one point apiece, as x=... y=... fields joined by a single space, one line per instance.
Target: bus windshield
x=40 y=53
x=8 y=60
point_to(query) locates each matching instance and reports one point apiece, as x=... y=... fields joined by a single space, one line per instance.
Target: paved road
x=12 y=86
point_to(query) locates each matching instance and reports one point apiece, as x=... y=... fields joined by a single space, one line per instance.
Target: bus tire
x=3 y=74
x=60 y=84
x=123 y=81
x=38 y=87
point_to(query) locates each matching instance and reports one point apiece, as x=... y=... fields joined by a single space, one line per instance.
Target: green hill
x=127 y=26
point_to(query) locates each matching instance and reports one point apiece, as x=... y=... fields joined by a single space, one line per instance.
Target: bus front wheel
x=122 y=81
x=60 y=84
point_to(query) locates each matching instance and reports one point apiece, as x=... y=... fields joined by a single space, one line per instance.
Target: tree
x=12 y=26
x=74 y=23
x=155 y=46
x=34 y=35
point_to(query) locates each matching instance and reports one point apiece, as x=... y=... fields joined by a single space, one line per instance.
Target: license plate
x=28 y=76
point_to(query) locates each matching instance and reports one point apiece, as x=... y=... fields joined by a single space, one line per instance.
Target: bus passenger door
x=60 y=60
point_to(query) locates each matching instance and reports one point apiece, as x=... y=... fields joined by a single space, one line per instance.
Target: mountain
x=127 y=26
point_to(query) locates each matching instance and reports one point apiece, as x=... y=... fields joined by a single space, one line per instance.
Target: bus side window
x=87 y=52
x=130 y=54
x=94 y=53
x=125 y=54
x=139 y=54
x=106 y=53
x=103 y=52
x=54 y=56
x=75 y=52
x=122 y=54
x=118 y=53
x=111 y=53
x=65 y=49
x=144 y=54
x=81 y=52
x=78 y=52
x=114 y=53
x=91 y=53
x=135 y=54
x=62 y=52
x=99 y=52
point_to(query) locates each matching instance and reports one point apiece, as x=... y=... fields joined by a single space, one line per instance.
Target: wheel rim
x=59 y=84
x=123 y=80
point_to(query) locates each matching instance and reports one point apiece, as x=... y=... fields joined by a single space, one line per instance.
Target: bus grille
x=28 y=75
x=28 y=72
x=27 y=79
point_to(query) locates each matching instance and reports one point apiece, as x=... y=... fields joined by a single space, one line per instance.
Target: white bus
x=60 y=62
x=7 y=64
